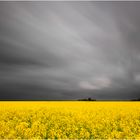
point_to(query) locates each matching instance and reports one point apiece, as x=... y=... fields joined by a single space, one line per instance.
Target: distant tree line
x=88 y=99
x=92 y=99
x=136 y=99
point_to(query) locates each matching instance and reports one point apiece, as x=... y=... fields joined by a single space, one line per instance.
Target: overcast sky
x=69 y=50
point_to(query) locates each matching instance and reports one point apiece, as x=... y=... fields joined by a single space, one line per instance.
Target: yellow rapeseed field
x=69 y=120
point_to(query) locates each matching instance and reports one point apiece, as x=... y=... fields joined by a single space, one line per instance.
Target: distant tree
x=89 y=99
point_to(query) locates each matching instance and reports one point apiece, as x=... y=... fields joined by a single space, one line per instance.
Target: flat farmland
x=69 y=120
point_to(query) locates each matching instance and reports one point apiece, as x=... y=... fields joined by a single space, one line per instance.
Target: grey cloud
x=69 y=50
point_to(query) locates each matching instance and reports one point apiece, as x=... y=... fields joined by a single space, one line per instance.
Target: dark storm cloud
x=69 y=50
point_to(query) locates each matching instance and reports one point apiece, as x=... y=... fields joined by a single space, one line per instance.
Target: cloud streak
x=69 y=50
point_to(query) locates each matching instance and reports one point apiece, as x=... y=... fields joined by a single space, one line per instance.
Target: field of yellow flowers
x=69 y=120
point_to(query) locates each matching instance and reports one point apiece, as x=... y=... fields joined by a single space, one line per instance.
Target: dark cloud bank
x=69 y=50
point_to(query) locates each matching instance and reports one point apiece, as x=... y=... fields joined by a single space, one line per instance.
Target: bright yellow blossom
x=70 y=120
